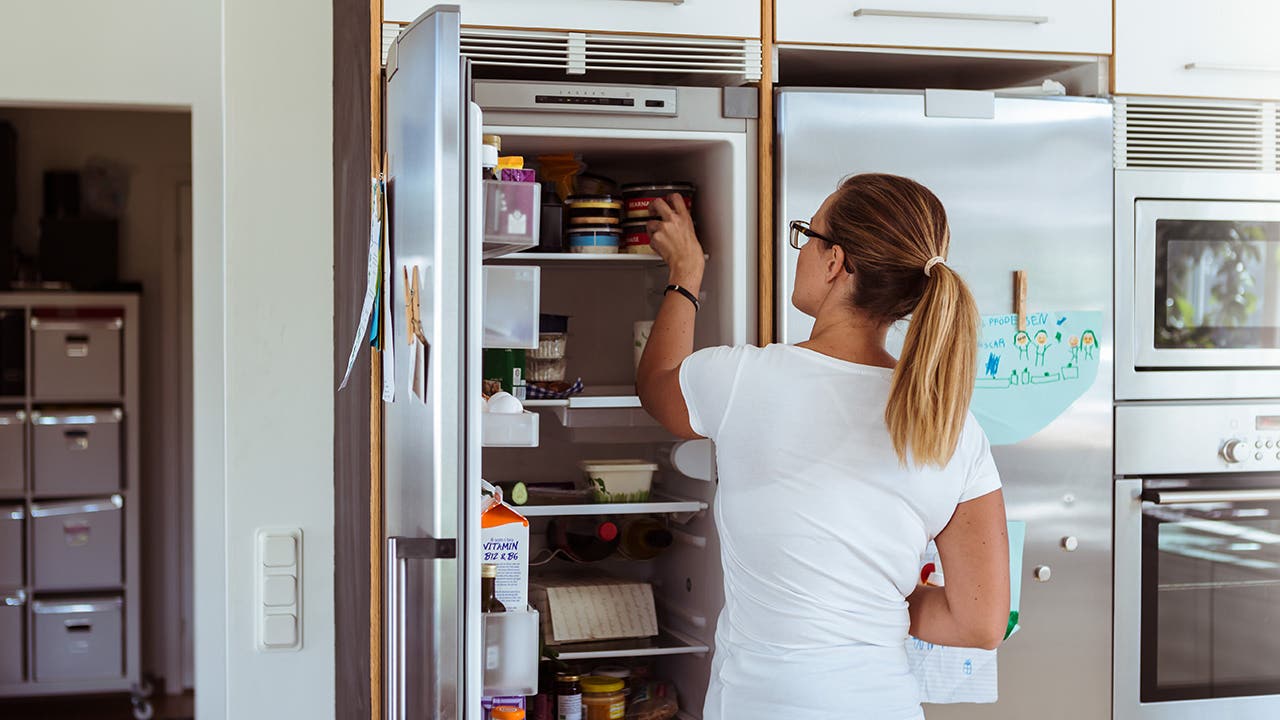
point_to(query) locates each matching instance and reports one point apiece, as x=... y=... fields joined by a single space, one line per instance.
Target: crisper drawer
x=78 y=638
x=726 y=18
x=13 y=610
x=76 y=358
x=13 y=429
x=76 y=452
x=1068 y=26
x=12 y=518
x=77 y=544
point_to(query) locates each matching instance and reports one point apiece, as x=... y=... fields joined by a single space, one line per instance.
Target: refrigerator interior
x=604 y=296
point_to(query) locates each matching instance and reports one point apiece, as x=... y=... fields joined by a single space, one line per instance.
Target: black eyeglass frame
x=800 y=227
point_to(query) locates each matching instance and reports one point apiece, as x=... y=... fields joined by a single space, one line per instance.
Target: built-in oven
x=1197 y=285
x=1197 y=561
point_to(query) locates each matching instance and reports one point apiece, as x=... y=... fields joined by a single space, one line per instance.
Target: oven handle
x=1197 y=497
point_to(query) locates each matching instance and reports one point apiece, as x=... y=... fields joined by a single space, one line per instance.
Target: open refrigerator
x=435 y=454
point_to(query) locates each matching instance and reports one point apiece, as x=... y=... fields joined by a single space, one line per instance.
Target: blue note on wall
x=1026 y=379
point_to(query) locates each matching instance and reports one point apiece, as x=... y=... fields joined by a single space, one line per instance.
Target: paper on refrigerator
x=371 y=280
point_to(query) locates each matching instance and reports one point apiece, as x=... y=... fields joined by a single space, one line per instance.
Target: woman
x=838 y=463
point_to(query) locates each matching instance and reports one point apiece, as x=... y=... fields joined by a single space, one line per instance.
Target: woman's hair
x=890 y=227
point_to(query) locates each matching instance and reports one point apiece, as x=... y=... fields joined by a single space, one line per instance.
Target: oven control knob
x=1042 y=573
x=1234 y=451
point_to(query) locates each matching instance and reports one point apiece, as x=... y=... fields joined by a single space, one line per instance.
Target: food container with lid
x=593 y=210
x=596 y=239
x=552 y=370
x=603 y=698
x=639 y=196
x=619 y=481
x=551 y=346
x=635 y=237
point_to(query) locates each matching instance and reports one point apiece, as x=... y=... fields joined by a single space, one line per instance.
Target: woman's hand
x=673 y=238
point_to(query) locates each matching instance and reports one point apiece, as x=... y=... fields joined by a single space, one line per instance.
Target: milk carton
x=504 y=538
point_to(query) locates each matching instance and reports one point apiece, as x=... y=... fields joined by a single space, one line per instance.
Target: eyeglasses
x=800 y=228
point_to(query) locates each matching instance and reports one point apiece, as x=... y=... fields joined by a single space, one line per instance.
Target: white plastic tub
x=511 y=653
x=509 y=430
x=619 y=481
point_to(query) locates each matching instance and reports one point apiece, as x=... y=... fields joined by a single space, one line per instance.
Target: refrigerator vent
x=1198 y=135
x=579 y=53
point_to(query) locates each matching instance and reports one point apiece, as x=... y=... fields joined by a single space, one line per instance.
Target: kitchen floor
x=105 y=707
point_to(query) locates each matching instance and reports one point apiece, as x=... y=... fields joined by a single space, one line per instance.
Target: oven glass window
x=1210 y=601
x=1217 y=284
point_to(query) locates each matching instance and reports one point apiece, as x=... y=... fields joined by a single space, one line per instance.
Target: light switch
x=280 y=631
x=279 y=590
x=278 y=551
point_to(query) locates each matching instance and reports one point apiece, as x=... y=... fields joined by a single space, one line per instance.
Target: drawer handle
x=77 y=346
x=1270 y=69
x=980 y=17
x=78 y=626
x=77 y=440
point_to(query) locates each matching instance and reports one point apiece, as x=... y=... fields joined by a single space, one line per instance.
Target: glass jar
x=569 y=698
x=506 y=712
x=603 y=698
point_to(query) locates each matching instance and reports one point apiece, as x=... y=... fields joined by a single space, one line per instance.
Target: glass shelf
x=658 y=506
x=668 y=642
x=582 y=258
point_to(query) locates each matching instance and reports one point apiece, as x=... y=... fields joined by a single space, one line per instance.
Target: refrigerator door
x=431 y=451
x=1028 y=189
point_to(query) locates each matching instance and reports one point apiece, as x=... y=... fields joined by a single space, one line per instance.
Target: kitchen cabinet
x=720 y=18
x=1061 y=26
x=1225 y=49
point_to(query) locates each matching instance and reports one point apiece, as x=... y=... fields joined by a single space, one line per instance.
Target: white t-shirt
x=821 y=532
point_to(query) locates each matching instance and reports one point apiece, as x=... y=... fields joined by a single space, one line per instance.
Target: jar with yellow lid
x=507 y=712
x=603 y=698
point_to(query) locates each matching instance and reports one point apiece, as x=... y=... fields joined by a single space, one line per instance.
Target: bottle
x=644 y=539
x=490 y=148
x=489 y=601
x=568 y=697
x=583 y=539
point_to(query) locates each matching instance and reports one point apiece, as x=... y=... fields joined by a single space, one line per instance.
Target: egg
x=505 y=403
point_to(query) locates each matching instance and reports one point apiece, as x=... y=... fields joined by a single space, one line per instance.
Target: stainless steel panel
x=1030 y=189
x=13 y=433
x=13 y=642
x=77 y=546
x=425 y=443
x=12 y=545
x=78 y=639
x=76 y=452
x=76 y=361
x=1132 y=188
x=1184 y=438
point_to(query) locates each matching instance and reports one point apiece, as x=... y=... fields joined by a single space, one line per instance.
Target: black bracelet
x=692 y=298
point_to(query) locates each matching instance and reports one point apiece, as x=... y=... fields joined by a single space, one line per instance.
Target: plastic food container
x=597 y=239
x=552 y=370
x=640 y=196
x=603 y=698
x=593 y=210
x=551 y=346
x=635 y=237
x=619 y=481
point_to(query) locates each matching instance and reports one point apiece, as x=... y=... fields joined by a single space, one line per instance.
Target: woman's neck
x=850 y=336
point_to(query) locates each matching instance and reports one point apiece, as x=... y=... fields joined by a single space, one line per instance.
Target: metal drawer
x=13 y=429
x=78 y=639
x=76 y=359
x=12 y=518
x=13 y=610
x=77 y=544
x=76 y=452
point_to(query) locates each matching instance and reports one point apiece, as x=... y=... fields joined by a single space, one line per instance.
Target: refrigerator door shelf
x=512 y=211
x=511 y=653
x=506 y=430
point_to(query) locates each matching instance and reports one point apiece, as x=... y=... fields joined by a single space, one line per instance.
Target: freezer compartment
x=13 y=645
x=78 y=638
x=12 y=523
x=13 y=432
x=511 y=302
x=75 y=356
x=13 y=352
x=78 y=543
x=76 y=452
x=511 y=653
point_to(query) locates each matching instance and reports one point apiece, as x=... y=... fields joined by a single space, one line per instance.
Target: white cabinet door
x=1206 y=48
x=1065 y=26
x=724 y=18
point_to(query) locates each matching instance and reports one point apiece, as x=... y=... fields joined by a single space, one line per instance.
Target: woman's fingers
x=663 y=209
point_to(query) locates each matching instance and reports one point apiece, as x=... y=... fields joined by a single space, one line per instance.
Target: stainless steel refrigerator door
x=427 y=454
x=1028 y=190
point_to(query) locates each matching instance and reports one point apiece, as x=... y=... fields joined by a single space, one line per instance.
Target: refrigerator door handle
x=400 y=550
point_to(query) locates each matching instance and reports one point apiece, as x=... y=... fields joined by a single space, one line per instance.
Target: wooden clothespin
x=1020 y=298
x=412 y=311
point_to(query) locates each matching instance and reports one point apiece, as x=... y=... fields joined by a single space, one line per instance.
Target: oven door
x=1207 y=285
x=1210 y=597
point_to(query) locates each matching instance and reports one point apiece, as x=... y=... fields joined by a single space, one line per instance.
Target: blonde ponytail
x=933 y=382
x=894 y=234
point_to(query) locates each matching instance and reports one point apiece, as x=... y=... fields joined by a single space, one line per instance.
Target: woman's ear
x=835 y=263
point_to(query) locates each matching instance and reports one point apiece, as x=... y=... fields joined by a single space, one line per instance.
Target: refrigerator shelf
x=585 y=258
x=660 y=505
x=604 y=406
x=494 y=249
x=668 y=642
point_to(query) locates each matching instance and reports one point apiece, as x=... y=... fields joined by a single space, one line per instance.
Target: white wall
x=261 y=104
x=154 y=148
